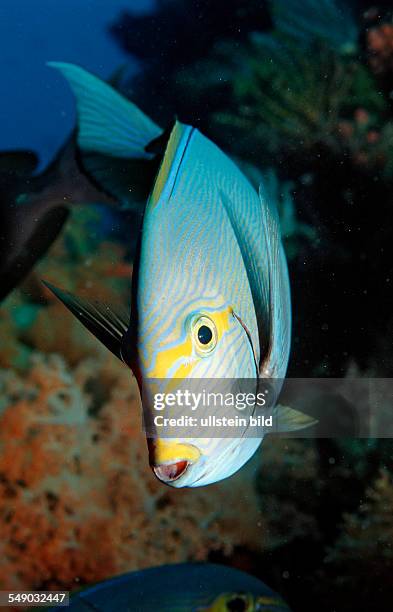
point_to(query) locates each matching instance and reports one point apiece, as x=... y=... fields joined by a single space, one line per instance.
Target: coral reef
x=380 y=47
x=74 y=466
x=73 y=463
x=278 y=103
x=73 y=456
x=364 y=548
x=325 y=524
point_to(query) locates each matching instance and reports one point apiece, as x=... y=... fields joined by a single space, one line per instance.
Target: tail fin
x=108 y=123
x=113 y=137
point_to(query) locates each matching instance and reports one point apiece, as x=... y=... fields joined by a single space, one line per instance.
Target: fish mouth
x=170 y=460
x=171 y=472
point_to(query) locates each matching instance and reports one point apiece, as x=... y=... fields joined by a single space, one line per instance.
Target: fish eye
x=204 y=333
x=237 y=603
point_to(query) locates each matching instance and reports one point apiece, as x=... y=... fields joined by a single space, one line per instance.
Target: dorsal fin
x=174 y=153
x=108 y=326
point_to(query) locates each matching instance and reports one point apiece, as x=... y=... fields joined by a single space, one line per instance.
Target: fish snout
x=171 y=460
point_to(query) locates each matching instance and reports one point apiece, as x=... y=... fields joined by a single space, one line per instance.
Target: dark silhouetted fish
x=34 y=207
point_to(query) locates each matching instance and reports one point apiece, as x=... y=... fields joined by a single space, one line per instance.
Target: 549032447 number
x=34 y=598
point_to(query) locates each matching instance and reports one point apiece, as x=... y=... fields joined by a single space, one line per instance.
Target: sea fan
x=280 y=95
x=281 y=99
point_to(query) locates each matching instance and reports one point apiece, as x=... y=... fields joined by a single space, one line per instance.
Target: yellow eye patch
x=204 y=333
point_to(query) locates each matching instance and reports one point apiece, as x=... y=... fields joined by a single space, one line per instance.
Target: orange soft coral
x=78 y=502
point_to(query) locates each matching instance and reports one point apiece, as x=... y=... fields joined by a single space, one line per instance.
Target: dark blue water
x=37 y=108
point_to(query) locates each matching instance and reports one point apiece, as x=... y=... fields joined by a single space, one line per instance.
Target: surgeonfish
x=35 y=205
x=210 y=297
x=184 y=587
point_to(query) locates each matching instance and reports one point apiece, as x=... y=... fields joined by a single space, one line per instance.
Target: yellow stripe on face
x=166 y=358
x=170 y=452
x=222 y=319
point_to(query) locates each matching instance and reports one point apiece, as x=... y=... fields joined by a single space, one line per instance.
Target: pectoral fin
x=288 y=419
x=103 y=322
x=274 y=363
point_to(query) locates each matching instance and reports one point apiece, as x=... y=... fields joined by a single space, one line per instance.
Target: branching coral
x=284 y=99
x=78 y=502
x=291 y=91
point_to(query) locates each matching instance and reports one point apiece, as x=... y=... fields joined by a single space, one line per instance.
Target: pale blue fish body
x=211 y=298
x=190 y=259
x=191 y=264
